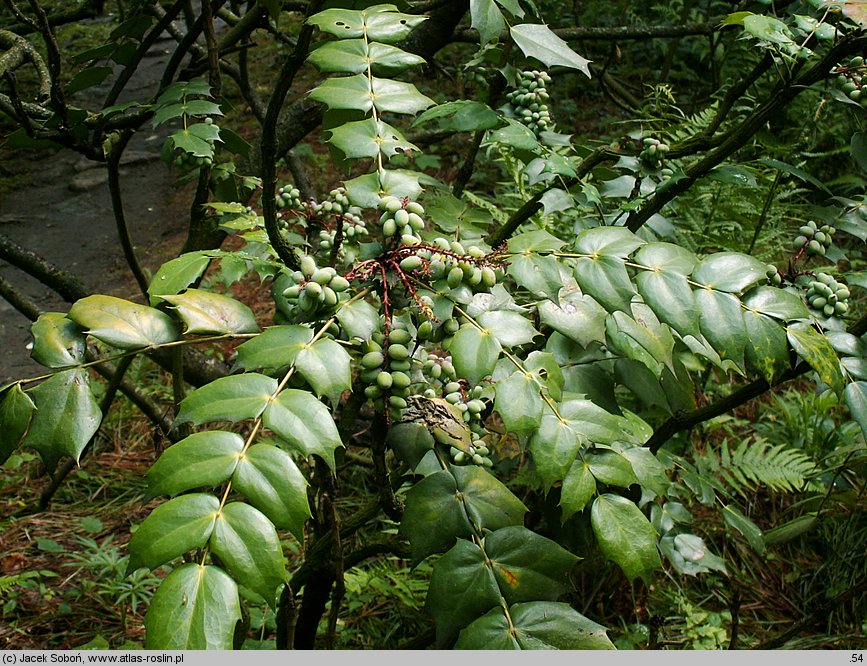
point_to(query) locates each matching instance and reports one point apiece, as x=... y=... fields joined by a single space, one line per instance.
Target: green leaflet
x=610 y=468
x=474 y=353
x=604 y=277
x=195 y=608
x=433 y=501
x=325 y=366
x=202 y=460
x=722 y=323
x=607 y=241
x=539 y=625
x=360 y=94
x=305 y=423
x=554 y=447
x=767 y=352
x=354 y=55
x=511 y=328
x=519 y=403
x=58 y=342
x=671 y=298
x=815 y=349
x=625 y=536
x=730 y=271
x=734 y=518
x=490 y=505
x=650 y=343
x=537 y=41
x=777 y=303
x=460 y=116
x=273 y=349
x=16 y=409
x=172 y=529
x=208 y=312
x=578 y=316
x=856 y=399
x=247 y=544
x=232 y=398
x=359 y=319
x=667 y=257
x=487 y=19
x=177 y=274
x=123 y=324
x=380 y=23
x=369 y=138
x=271 y=481
x=579 y=487
x=410 y=442
x=541 y=276
x=66 y=416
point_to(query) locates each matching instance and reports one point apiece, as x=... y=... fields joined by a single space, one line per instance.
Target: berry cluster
x=386 y=368
x=401 y=217
x=529 y=101
x=827 y=295
x=851 y=79
x=468 y=402
x=653 y=153
x=814 y=238
x=774 y=277
x=458 y=265
x=315 y=289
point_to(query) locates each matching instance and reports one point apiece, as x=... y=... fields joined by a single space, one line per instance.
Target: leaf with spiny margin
x=605 y=278
x=489 y=504
x=361 y=94
x=648 y=470
x=474 y=353
x=579 y=487
x=271 y=481
x=536 y=625
x=353 y=56
x=195 y=608
x=202 y=460
x=815 y=349
x=359 y=319
x=528 y=566
x=777 y=303
x=16 y=409
x=177 y=274
x=122 y=324
x=461 y=116
x=66 y=417
x=207 y=312
x=578 y=316
x=487 y=19
x=666 y=257
x=554 y=447
x=625 y=535
x=607 y=241
x=519 y=403
x=539 y=42
x=766 y=352
x=461 y=589
x=325 y=366
x=381 y=23
x=722 y=323
x=366 y=191
x=247 y=544
x=58 y=342
x=537 y=240
x=671 y=298
x=369 y=138
x=730 y=271
x=544 y=367
x=610 y=468
x=273 y=349
x=172 y=529
x=232 y=398
x=509 y=327
x=541 y=276
x=434 y=501
x=856 y=399
x=305 y=423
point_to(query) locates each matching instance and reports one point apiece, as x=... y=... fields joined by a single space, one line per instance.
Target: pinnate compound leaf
x=123 y=324
x=247 y=544
x=489 y=504
x=273 y=349
x=538 y=41
x=355 y=93
x=305 y=423
x=66 y=417
x=528 y=566
x=354 y=55
x=538 y=625
x=815 y=349
x=625 y=535
x=434 y=501
x=177 y=274
x=16 y=409
x=776 y=303
x=856 y=399
x=271 y=481
x=232 y=398
x=58 y=342
x=462 y=588
x=206 y=312
x=172 y=529
x=325 y=366
x=381 y=23
x=519 y=403
x=474 y=353
x=730 y=271
x=202 y=460
x=195 y=608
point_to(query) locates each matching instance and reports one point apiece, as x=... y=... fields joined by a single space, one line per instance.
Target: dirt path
x=65 y=215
